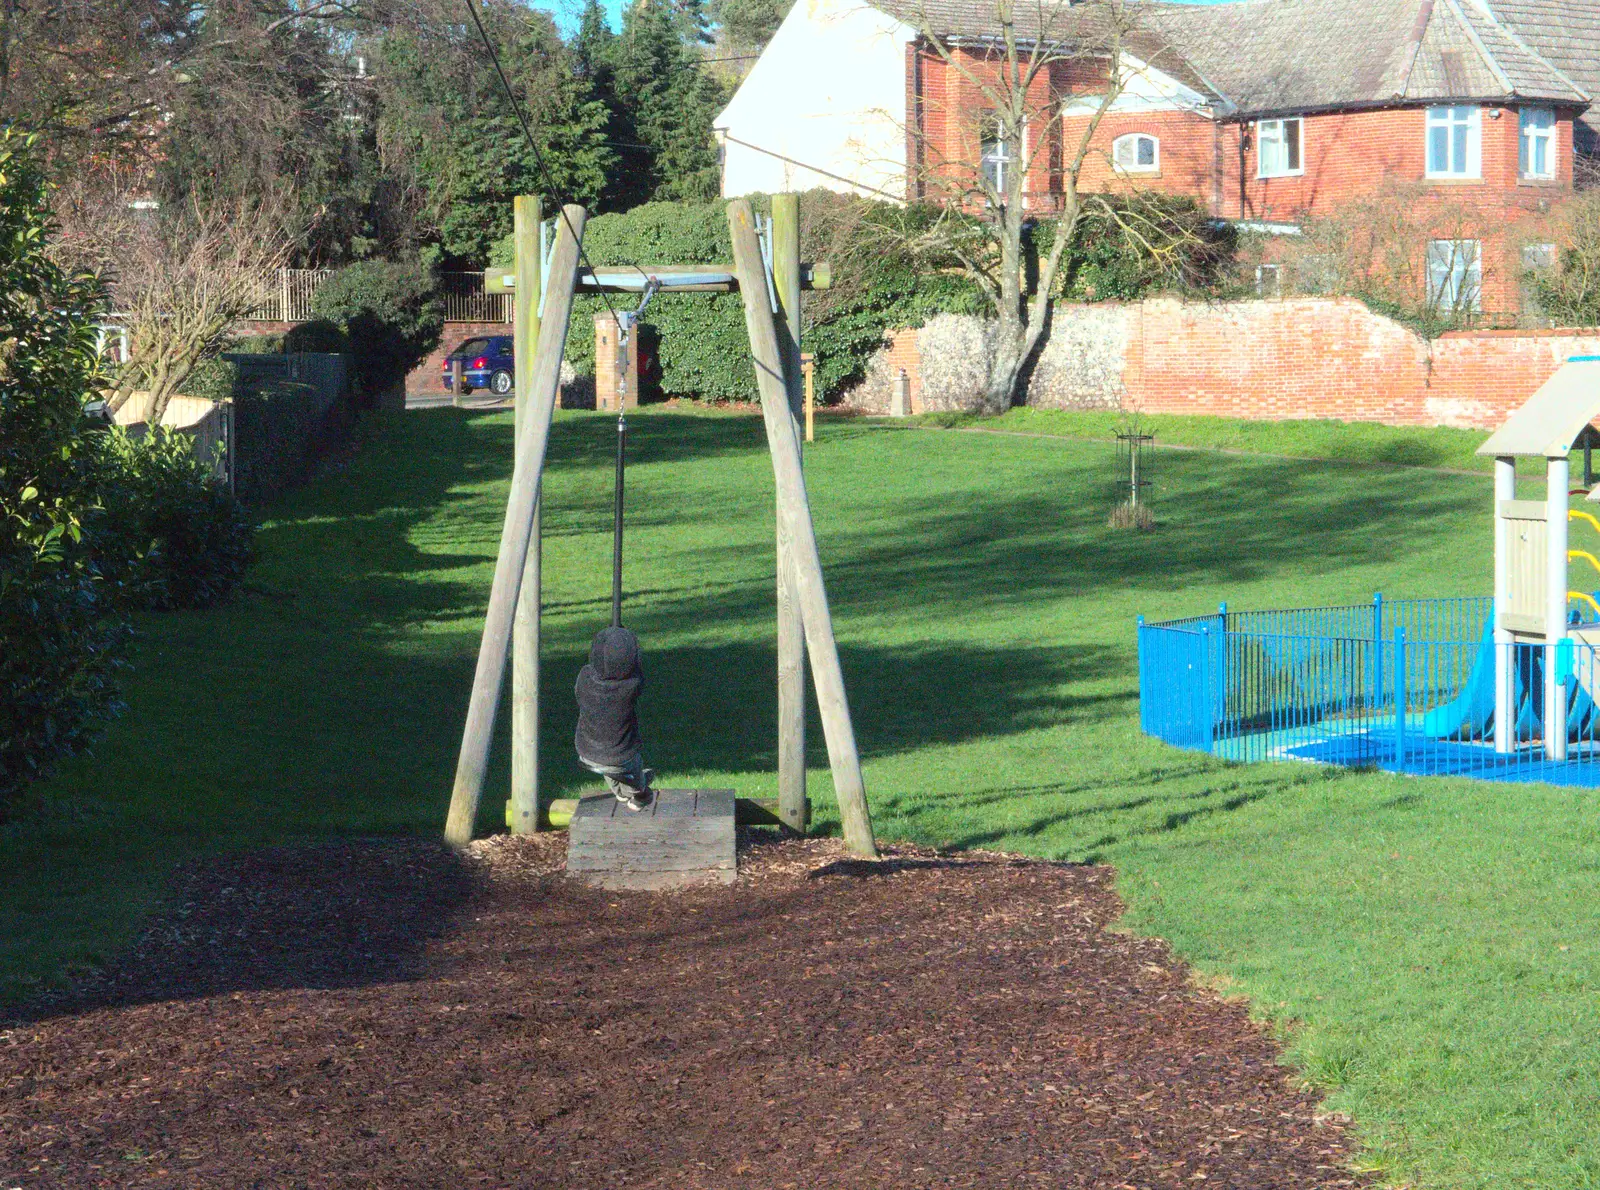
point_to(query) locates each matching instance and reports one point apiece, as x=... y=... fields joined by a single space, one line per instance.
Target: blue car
x=486 y=362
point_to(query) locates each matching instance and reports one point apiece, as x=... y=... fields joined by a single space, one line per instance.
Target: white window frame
x=1269 y=277
x=1277 y=133
x=1134 y=138
x=1465 y=263
x=1462 y=117
x=1529 y=135
x=1010 y=157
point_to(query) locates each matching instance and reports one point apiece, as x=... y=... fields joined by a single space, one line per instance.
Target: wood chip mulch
x=389 y=1014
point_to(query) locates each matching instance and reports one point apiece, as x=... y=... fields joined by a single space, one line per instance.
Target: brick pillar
x=609 y=370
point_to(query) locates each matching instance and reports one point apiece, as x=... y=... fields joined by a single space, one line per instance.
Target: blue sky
x=567 y=10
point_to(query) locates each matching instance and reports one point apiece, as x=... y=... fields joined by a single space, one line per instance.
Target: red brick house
x=1268 y=112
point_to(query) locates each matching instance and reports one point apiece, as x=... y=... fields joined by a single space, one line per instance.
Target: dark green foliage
x=215 y=380
x=880 y=282
x=318 y=336
x=169 y=534
x=275 y=111
x=1127 y=248
x=60 y=647
x=446 y=119
x=749 y=22
x=389 y=314
x=703 y=349
x=664 y=102
x=257 y=344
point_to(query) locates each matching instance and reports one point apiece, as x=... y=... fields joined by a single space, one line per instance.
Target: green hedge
x=703 y=350
x=878 y=284
x=387 y=312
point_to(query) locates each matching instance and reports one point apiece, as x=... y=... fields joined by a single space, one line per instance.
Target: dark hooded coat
x=608 y=699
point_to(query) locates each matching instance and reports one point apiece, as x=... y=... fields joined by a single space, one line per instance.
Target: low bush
x=215 y=380
x=319 y=336
x=880 y=279
x=60 y=642
x=168 y=534
x=389 y=315
x=257 y=345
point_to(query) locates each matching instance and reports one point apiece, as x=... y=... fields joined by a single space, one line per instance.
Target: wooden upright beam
x=515 y=535
x=791 y=629
x=524 y=817
x=794 y=521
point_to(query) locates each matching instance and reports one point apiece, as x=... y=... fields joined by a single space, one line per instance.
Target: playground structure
x=769 y=276
x=1500 y=687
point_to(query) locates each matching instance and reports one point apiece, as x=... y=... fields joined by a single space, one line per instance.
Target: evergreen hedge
x=878 y=284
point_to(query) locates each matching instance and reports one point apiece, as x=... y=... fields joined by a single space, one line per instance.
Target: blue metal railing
x=1403 y=685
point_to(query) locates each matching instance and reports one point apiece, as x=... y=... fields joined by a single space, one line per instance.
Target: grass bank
x=1431 y=948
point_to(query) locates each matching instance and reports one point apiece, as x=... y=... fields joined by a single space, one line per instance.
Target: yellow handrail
x=1573 y=514
x=1589 y=599
x=1586 y=556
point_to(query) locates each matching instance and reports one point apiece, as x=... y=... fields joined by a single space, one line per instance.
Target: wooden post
x=457 y=369
x=516 y=532
x=794 y=521
x=808 y=365
x=524 y=816
x=791 y=630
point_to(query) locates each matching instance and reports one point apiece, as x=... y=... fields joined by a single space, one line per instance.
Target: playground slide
x=1470 y=715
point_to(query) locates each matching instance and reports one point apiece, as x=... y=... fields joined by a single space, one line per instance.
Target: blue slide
x=1470 y=715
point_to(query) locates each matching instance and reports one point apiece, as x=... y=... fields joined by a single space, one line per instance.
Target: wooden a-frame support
x=800 y=567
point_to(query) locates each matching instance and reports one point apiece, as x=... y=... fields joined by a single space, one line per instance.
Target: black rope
x=616 y=530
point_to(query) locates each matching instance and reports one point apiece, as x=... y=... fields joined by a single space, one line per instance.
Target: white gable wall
x=829 y=92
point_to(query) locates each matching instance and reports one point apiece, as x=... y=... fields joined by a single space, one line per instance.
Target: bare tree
x=177 y=280
x=1023 y=59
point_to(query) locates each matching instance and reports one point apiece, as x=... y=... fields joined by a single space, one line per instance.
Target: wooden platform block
x=684 y=837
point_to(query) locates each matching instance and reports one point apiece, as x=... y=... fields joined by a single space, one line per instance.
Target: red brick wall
x=947 y=107
x=1318 y=358
x=607 y=375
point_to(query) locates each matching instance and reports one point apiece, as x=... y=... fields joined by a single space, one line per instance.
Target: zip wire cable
x=538 y=157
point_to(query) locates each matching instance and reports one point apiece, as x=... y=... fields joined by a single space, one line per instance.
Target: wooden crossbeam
x=532 y=440
x=696 y=278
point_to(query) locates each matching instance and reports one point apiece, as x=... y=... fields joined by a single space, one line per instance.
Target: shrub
x=1569 y=288
x=169 y=533
x=703 y=348
x=257 y=345
x=215 y=380
x=879 y=282
x=319 y=335
x=389 y=314
x=60 y=645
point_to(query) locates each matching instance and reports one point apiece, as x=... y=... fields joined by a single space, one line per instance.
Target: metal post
x=1505 y=709
x=523 y=818
x=1400 y=695
x=1377 y=650
x=808 y=365
x=1555 y=624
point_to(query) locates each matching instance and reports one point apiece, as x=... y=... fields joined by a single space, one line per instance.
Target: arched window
x=1136 y=153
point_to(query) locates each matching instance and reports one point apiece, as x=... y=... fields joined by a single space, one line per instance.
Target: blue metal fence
x=1401 y=685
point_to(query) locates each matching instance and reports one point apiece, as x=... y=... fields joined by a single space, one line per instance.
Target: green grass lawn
x=1429 y=947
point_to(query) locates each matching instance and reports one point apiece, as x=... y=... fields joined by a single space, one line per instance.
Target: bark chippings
x=389 y=1014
